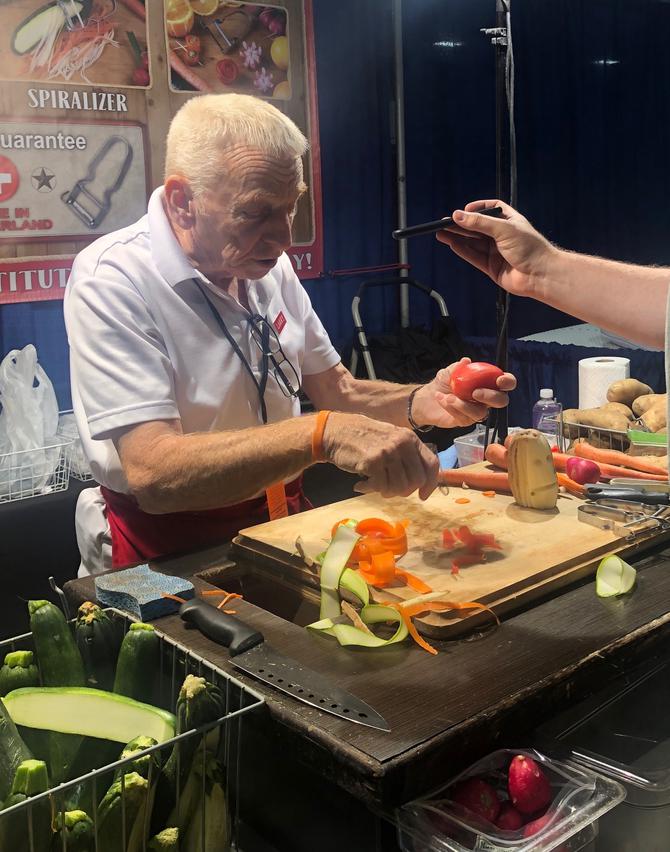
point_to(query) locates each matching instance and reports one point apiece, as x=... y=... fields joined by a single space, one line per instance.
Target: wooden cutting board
x=541 y=551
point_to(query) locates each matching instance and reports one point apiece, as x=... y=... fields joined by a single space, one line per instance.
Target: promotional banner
x=87 y=91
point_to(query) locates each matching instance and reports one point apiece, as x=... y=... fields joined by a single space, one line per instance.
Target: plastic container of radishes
x=436 y=823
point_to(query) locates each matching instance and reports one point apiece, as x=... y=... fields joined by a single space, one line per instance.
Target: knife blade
x=251 y=654
x=652 y=498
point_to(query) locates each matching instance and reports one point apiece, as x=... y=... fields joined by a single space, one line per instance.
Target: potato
x=599 y=418
x=655 y=418
x=626 y=391
x=620 y=408
x=643 y=403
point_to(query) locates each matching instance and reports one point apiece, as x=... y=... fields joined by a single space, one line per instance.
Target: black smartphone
x=440 y=224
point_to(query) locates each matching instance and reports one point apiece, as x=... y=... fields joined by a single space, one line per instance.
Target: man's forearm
x=625 y=299
x=169 y=472
x=379 y=400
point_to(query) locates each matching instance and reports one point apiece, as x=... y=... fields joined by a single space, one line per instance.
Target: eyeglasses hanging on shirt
x=266 y=338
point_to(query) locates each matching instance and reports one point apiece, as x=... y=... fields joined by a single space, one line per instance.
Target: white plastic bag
x=28 y=425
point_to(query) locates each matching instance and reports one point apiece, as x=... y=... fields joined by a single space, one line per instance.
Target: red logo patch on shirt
x=279 y=322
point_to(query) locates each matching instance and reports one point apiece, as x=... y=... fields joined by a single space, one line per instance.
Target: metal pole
x=401 y=177
x=502 y=185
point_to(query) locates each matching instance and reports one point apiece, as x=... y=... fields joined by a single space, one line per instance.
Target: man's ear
x=179 y=201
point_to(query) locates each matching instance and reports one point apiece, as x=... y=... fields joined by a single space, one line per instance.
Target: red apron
x=138 y=536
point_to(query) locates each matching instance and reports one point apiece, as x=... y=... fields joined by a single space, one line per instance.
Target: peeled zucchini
x=89 y=713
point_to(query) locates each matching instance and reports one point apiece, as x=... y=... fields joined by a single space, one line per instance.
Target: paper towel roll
x=595 y=377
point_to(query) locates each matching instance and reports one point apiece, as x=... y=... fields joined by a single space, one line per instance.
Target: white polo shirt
x=144 y=344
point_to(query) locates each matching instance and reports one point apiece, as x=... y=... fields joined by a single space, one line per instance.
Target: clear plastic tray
x=623 y=732
x=437 y=824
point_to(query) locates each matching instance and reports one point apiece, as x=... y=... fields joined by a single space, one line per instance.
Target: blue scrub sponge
x=140 y=591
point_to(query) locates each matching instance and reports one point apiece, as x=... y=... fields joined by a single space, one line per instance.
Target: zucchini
x=199 y=703
x=58 y=751
x=97 y=640
x=139 y=663
x=60 y=665
x=144 y=765
x=60 y=660
x=124 y=803
x=208 y=827
x=75 y=833
x=166 y=841
x=31 y=778
x=13 y=751
x=19 y=670
x=89 y=713
x=44 y=21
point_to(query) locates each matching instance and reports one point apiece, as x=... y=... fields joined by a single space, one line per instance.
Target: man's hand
x=434 y=404
x=510 y=251
x=391 y=458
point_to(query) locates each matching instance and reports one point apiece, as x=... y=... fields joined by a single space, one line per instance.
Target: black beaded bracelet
x=410 y=419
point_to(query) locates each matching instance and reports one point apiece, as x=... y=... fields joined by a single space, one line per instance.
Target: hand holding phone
x=440 y=224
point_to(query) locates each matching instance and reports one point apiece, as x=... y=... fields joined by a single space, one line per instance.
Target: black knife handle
x=220 y=627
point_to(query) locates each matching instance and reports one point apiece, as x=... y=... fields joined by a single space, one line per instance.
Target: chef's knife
x=652 y=498
x=251 y=654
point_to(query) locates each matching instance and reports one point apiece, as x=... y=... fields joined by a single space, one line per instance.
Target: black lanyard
x=265 y=351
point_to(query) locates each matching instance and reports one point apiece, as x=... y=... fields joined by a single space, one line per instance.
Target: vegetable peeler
x=92 y=213
x=625 y=519
x=652 y=497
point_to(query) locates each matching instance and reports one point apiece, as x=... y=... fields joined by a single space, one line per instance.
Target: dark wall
x=593 y=148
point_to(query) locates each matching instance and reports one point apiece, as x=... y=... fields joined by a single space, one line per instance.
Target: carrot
x=609 y=471
x=136 y=7
x=187 y=74
x=496 y=455
x=488 y=494
x=413 y=581
x=462 y=500
x=613 y=457
x=570 y=485
x=415 y=607
x=482 y=480
x=173 y=598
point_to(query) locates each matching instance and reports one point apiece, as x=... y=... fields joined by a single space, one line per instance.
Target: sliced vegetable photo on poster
x=256 y=49
x=86 y=42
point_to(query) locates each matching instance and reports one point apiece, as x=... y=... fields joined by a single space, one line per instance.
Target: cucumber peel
x=347 y=634
x=334 y=564
x=89 y=713
x=614 y=577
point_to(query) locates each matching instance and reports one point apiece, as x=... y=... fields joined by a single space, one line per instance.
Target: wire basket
x=79 y=466
x=31 y=473
x=610 y=439
x=176 y=662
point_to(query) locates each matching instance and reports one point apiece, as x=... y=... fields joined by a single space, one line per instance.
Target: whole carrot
x=480 y=480
x=614 y=457
x=496 y=455
x=570 y=485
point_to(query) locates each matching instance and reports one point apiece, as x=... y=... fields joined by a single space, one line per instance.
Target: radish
x=529 y=787
x=478 y=796
x=509 y=819
x=536 y=825
x=582 y=471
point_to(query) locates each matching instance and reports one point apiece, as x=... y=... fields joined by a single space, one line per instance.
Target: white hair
x=207 y=125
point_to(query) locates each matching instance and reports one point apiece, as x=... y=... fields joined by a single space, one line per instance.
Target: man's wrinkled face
x=242 y=227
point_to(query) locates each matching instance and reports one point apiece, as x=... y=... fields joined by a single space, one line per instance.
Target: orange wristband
x=317 y=436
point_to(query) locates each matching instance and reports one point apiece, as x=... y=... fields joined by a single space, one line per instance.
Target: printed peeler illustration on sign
x=91 y=197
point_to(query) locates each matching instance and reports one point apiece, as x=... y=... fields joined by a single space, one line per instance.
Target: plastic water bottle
x=546 y=412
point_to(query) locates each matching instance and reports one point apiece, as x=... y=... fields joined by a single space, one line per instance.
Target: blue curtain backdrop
x=593 y=126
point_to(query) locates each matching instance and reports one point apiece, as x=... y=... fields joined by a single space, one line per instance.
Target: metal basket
x=567 y=433
x=31 y=473
x=74 y=450
x=176 y=662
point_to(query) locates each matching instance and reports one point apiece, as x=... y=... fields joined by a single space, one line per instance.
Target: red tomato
x=467 y=378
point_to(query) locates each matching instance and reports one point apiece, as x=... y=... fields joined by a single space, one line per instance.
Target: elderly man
x=190 y=337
